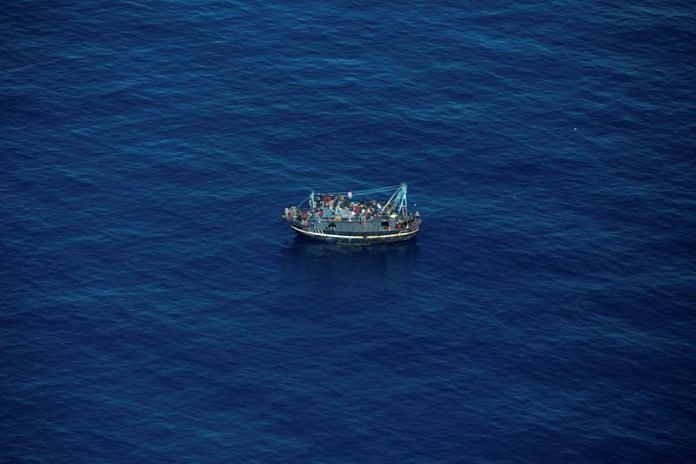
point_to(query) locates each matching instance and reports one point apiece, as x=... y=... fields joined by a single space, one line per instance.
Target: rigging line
x=303 y=201
x=384 y=188
x=378 y=189
x=375 y=190
x=381 y=189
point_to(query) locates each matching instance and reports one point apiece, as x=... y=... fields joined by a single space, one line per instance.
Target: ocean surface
x=155 y=308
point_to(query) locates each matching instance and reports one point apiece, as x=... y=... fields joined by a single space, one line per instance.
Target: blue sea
x=154 y=308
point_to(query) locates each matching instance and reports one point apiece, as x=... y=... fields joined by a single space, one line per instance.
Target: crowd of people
x=341 y=207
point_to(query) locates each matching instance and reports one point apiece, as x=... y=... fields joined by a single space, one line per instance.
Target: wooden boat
x=356 y=218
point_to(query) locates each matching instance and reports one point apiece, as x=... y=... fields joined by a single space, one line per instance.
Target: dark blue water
x=154 y=307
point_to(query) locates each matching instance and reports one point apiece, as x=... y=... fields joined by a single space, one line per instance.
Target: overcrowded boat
x=355 y=217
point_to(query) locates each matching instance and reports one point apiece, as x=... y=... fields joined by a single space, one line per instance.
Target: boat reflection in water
x=337 y=269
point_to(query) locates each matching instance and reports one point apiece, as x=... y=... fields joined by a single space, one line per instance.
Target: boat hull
x=366 y=238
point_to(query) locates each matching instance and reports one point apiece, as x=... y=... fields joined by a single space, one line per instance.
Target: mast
x=398 y=199
x=400 y=203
